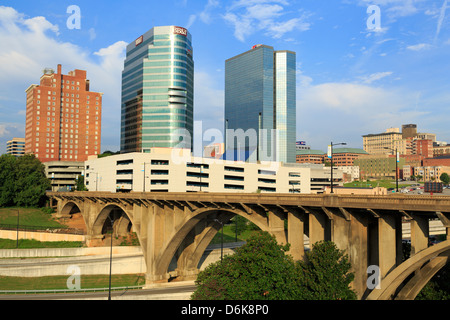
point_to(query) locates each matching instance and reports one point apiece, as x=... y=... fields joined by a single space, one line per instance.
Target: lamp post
x=396 y=165
x=110 y=255
x=143 y=188
x=330 y=155
x=18 y=217
x=221 y=244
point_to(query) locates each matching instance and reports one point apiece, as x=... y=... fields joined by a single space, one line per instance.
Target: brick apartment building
x=63 y=119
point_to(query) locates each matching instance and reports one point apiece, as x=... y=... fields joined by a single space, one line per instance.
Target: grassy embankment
x=31 y=218
x=38 y=218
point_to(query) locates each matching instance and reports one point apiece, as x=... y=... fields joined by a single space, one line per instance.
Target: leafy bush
x=261 y=270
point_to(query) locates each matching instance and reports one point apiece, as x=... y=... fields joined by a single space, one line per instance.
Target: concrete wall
x=54 y=262
x=40 y=236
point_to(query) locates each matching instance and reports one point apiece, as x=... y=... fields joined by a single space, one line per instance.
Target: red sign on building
x=180 y=31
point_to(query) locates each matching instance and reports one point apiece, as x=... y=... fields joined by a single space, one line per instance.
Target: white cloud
x=419 y=47
x=351 y=110
x=376 y=76
x=204 y=15
x=249 y=17
x=440 y=20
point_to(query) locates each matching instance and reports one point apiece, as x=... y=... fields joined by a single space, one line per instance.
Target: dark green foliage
x=261 y=270
x=80 y=184
x=22 y=181
x=326 y=274
x=445 y=178
x=438 y=288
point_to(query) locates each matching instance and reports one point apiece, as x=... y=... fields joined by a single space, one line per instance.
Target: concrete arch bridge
x=180 y=226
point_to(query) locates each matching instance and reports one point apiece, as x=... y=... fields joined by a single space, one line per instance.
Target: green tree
x=325 y=274
x=445 y=178
x=22 y=181
x=7 y=179
x=80 y=184
x=259 y=270
x=438 y=288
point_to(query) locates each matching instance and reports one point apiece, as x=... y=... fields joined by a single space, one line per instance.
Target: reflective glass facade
x=260 y=99
x=158 y=91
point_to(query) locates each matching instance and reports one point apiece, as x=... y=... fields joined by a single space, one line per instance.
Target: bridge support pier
x=419 y=233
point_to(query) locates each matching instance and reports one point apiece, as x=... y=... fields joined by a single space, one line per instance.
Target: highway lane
x=166 y=292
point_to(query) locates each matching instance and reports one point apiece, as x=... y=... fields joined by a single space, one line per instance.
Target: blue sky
x=351 y=80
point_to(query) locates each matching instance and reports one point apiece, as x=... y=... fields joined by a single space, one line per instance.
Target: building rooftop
x=349 y=150
x=310 y=152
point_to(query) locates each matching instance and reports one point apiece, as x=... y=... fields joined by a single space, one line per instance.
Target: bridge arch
x=122 y=220
x=69 y=208
x=424 y=265
x=193 y=254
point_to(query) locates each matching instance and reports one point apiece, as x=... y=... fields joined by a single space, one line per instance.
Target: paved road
x=181 y=291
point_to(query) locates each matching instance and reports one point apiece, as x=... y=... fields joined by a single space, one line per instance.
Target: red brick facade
x=63 y=121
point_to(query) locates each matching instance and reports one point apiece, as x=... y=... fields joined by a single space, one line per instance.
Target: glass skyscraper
x=260 y=105
x=158 y=91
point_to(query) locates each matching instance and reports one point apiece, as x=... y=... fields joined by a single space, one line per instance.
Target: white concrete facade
x=175 y=170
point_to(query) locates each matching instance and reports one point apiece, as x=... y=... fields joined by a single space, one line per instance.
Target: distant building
x=422 y=147
x=437 y=161
x=64 y=118
x=63 y=175
x=342 y=157
x=301 y=145
x=16 y=147
x=376 y=143
x=310 y=156
x=441 y=150
x=378 y=166
x=431 y=173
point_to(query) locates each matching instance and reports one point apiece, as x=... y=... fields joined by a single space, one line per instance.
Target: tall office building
x=260 y=99
x=158 y=91
x=63 y=120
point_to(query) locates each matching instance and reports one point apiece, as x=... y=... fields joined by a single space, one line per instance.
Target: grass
x=60 y=282
x=229 y=235
x=34 y=244
x=30 y=217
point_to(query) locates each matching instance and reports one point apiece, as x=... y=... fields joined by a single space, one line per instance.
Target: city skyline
x=351 y=79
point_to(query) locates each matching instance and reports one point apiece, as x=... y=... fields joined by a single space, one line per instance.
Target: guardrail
x=60 y=291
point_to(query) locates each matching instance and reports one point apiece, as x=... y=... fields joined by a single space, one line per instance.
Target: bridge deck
x=422 y=203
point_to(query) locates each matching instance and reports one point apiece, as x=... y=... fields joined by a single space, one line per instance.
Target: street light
x=144 y=176
x=221 y=245
x=330 y=155
x=110 y=255
x=18 y=218
x=396 y=165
